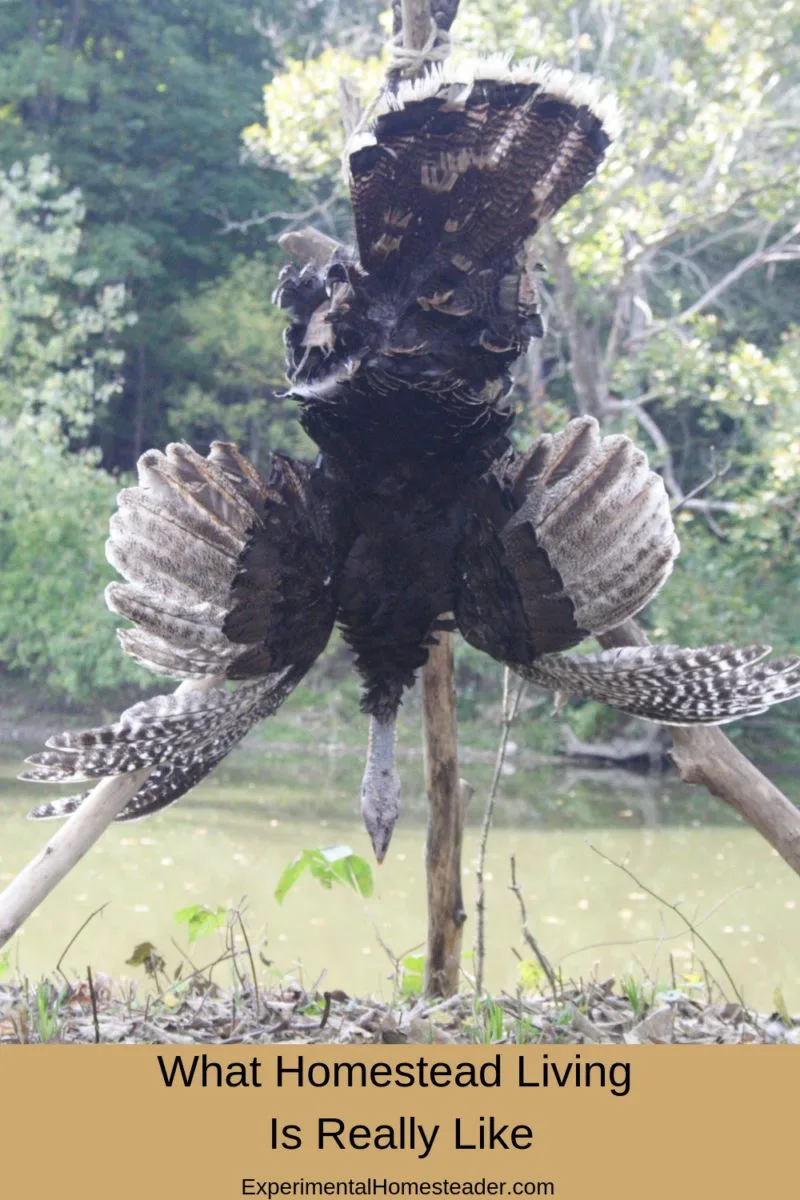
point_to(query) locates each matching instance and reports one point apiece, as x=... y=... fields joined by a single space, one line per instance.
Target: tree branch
x=586 y=364
x=528 y=937
x=684 y=226
x=319 y=209
x=77 y=835
x=784 y=249
x=690 y=500
x=641 y=251
x=704 y=755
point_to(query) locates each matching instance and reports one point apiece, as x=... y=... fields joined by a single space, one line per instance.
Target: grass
x=639 y=994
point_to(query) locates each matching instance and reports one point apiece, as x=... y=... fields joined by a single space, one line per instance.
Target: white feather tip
x=458 y=77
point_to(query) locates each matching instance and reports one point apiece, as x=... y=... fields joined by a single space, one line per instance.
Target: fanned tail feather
x=671 y=685
x=472 y=158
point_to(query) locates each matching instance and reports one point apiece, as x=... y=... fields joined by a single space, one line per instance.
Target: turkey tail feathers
x=471 y=159
x=673 y=686
x=601 y=516
x=181 y=736
x=419 y=330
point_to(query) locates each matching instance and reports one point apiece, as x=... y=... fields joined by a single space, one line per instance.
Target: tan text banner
x=300 y=1121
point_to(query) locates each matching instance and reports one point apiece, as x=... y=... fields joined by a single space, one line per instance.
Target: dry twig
x=511 y=703
x=676 y=909
x=530 y=940
x=75 y=937
x=93 y=998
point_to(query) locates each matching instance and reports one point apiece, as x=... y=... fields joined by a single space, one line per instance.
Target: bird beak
x=380 y=787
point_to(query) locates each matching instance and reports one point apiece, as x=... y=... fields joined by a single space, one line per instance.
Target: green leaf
x=529 y=975
x=290 y=876
x=412 y=978
x=334 y=864
x=200 y=920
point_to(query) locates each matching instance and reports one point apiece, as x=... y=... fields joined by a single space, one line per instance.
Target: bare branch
x=690 y=499
x=662 y=445
x=320 y=209
x=684 y=226
x=93 y=999
x=75 y=937
x=350 y=107
x=784 y=249
x=676 y=909
x=642 y=251
x=586 y=364
x=256 y=995
x=530 y=940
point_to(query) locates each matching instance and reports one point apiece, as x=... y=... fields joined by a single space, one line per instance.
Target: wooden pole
x=446 y=913
x=65 y=849
x=416 y=15
x=77 y=835
x=704 y=755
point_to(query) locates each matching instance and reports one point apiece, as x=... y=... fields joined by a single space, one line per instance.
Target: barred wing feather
x=228 y=576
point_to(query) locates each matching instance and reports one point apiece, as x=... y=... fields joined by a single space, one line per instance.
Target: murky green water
x=233 y=836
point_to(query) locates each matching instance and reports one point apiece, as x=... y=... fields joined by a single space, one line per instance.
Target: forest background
x=152 y=153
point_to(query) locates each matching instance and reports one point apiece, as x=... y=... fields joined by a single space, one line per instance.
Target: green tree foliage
x=60 y=365
x=46 y=319
x=141 y=106
x=55 y=630
x=307 y=141
x=234 y=366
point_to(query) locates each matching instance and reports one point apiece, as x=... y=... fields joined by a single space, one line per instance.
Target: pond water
x=235 y=833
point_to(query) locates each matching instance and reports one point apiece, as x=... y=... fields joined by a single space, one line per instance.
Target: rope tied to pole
x=410 y=61
x=405 y=62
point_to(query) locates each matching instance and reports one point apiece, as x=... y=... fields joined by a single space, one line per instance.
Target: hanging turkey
x=399 y=354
